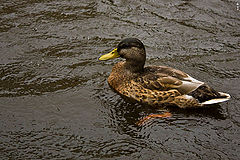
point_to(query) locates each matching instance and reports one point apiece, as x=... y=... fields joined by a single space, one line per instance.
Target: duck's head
x=131 y=49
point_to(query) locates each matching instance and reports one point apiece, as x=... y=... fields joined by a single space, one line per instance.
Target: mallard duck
x=156 y=85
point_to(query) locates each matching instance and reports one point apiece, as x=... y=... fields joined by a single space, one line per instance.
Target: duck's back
x=164 y=78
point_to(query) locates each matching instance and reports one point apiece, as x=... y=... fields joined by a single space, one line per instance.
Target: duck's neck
x=135 y=60
x=134 y=66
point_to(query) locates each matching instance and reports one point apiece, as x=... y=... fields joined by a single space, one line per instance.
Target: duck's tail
x=207 y=95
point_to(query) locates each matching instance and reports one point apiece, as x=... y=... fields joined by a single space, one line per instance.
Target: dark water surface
x=55 y=102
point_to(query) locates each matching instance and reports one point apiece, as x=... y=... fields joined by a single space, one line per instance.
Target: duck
x=156 y=85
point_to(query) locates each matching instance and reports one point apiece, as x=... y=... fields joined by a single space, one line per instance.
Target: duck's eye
x=124 y=46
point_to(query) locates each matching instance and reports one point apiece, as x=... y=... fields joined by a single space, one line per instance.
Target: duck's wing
x=166 y=78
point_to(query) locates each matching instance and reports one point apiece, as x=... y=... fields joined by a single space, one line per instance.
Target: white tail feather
x=226 y=97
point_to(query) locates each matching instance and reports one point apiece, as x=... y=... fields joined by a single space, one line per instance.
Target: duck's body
x=156 y=85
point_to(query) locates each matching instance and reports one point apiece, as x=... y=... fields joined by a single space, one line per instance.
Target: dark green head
x=131 y=49
x=130 y=42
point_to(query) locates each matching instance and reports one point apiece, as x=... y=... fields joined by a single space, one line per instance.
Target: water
x=55 y=102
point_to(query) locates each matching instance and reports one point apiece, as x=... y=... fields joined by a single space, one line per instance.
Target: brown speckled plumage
x=156 y=85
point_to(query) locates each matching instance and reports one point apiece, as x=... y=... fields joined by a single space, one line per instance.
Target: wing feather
x=164 y=78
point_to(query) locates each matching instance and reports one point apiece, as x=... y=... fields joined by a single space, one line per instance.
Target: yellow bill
x=111 y=55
